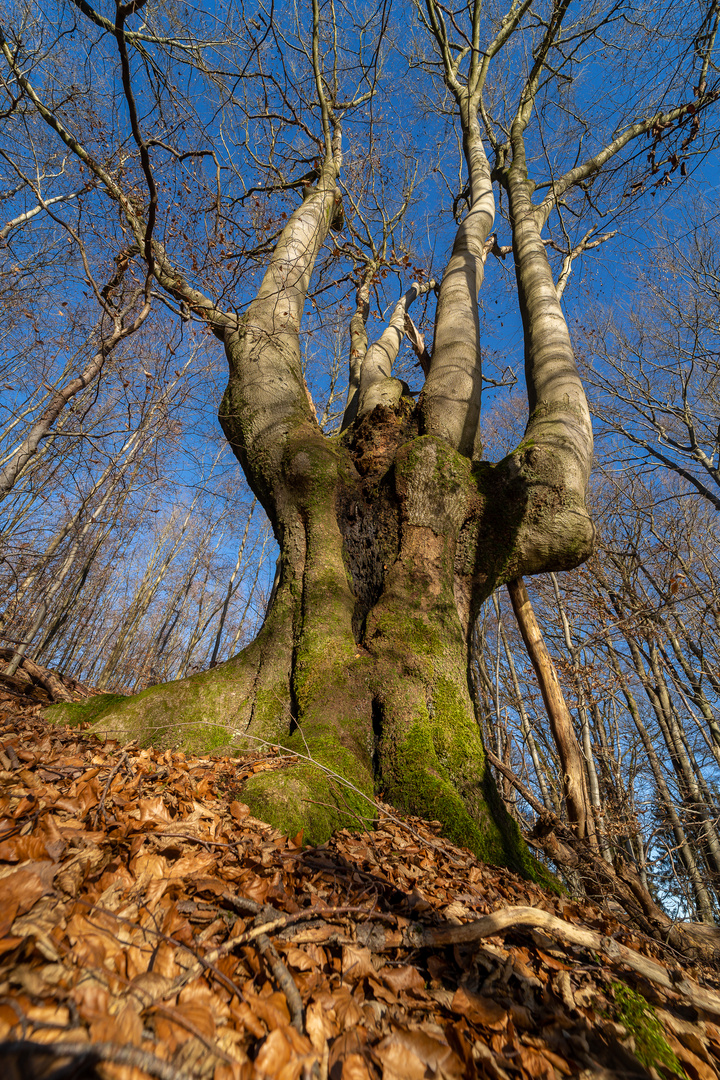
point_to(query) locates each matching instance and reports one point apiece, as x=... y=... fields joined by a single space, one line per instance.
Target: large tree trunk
x=391 y=535
x=389 y=541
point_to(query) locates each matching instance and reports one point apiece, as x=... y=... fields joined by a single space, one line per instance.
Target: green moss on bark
x=247 y=695
x=333 y=790
x=74 y=713
x=189 y=712
x=641 y=1021
x=422 y=785
x=433 y=765
x=395 y=709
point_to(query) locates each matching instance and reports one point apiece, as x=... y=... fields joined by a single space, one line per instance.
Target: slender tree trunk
x=695 y=691
x=525 y=724
x=702 y=897
x=73 y=589
x=58 y=581
x=152 y=579
x=592 y=777
x=577 y=799
x=231 y=587
x=121 y=329
x=657 y=692
x=121 y=462
x=253 y=590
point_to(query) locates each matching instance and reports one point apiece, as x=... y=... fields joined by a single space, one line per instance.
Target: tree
x=656 y=364
x=575 y=786
x=392 y=532
x=636 y=623
x=59 y=397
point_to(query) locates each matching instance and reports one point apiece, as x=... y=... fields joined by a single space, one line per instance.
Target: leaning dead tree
x=393 y=532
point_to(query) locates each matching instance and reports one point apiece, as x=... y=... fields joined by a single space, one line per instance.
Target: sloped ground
x=150 y=927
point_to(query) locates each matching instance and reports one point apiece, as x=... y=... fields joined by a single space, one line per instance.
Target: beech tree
x=392 y=531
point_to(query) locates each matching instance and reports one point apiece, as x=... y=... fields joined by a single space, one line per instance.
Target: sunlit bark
x=392 y=533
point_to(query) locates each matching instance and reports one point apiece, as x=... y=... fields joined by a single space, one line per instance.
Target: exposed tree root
x=508 y=918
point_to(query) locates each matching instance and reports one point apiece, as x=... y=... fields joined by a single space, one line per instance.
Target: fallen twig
x=248 y=938
x=284 y=980
x=101 y=805
x=263 y=922
x=185 y=1022
x=83 y=1054
x=201 y=965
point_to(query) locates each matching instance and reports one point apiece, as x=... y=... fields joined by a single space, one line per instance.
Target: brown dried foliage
x=149 y=926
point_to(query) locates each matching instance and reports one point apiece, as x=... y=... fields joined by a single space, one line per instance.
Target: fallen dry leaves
x=149 y=926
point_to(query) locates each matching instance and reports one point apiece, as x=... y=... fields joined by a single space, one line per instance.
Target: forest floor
x=150 y=927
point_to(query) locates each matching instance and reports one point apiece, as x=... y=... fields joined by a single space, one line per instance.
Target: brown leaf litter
x=151 y=927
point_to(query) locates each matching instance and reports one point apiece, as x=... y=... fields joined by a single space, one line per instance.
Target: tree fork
x=361 y=667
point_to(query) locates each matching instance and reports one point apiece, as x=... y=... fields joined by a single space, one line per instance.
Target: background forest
x=132 y=551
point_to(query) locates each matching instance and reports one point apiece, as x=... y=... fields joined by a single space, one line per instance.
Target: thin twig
x=249 y=937
x=201 y=964
x=284 y=980
x=101 y=805
x=263 y=920
x=184 y=1022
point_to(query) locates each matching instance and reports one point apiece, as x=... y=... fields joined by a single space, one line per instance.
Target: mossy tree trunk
x=390 y=534
x=389 y=542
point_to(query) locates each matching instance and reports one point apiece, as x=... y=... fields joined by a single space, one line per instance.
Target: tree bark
x=577 y=799
x=389 y=541
x=525 y=723
x=390 y=536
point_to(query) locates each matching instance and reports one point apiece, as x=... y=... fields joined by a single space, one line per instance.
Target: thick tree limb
x=453 y=389
x=417 y=342
x=22 y=219
x=358 y=343
x=377 y=387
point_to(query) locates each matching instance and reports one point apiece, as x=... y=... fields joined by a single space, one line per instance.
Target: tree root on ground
x=617 y=882
x=505 y=919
